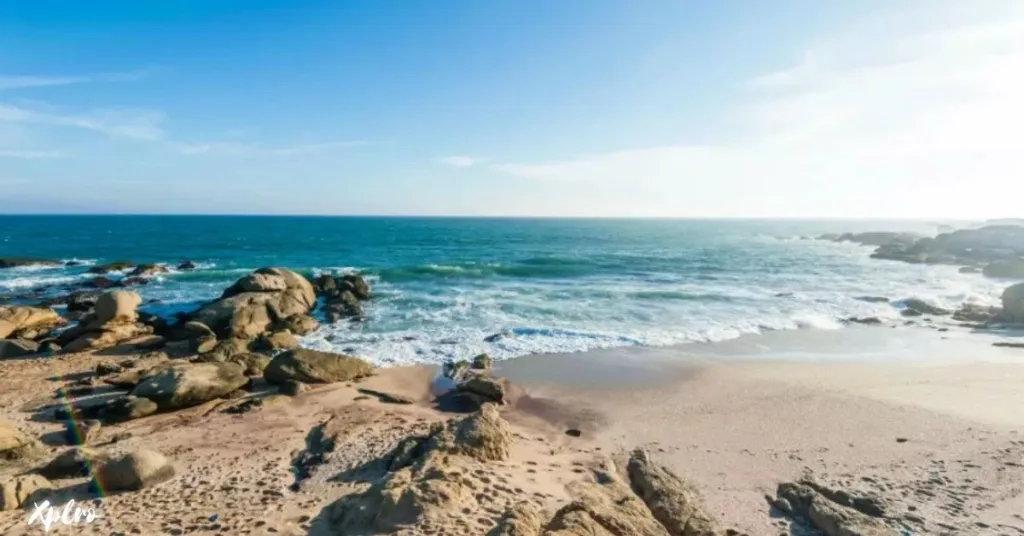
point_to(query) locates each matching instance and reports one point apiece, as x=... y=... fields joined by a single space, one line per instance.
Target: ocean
x=444 y=286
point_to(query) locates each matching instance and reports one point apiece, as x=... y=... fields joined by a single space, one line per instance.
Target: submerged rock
x=116 y=266
x=148 y=270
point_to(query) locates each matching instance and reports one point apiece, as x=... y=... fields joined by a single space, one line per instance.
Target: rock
x=225 y=350
x=186 y=266
x=15 y=445
x=311 y=366
x=323 y=284
x=987 y=244
x=251 y=363
x=483 y=436
x=292 y=388
x=107 y=367
x=342 y=304
x=127 y=408
x=202 y=345
x=82 y=300
x=101 y=283
x=1006 y=269
x=873 y=299
x=49 y=347
x=19 y=490
x=246 y=315
x=976 y=313
x=673 y=502
x=134 y=282
x=878 y=238
x=148 y=270
x=355 y=284
x=117 y=306
x=923 y=307
x=482 y=362
x=480 y=390
x=73 y=463
x=1008 y=344
x=257 y=282
x=523 y=519
x=10 y=348
x=869 y=320
x=107 y=336
x=183 y=385
x=15 y=262
x=1013 y=304
x=134 y=471
x=278 y=340
x=832 y=519
x=456 y=370
x=970 y=270
x=81 y=432
x=16 y=319
x=298 y=324
x=117 y=266
x=387 y=398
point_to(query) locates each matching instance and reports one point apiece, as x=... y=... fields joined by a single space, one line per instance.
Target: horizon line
x=502 y=216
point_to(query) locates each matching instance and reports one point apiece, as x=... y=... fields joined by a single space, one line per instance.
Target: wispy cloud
x=28 y=154
x=922 y=118
x=249 y=150
x=127 y=123
x=22 y=81
x=461 y=161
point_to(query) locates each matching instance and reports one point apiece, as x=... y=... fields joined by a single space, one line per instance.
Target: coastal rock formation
x=113 y=322
x=182 y=385
x=134 y=471
x=14 y=262
x=483 y=436
x=73 y=463
x=921 y=307
x=976 y=313
x=116 y=306
x=277 y=340
x=251 y=306
x=148 y=270
x=803 y=501
x=18 y=490
x=1001 y=246
x=1013 y=268
x=874 y=238
x=20 y=322
x=116 y=266
x=342 y=295
x=252 y=364
x=1013 y=304
x=15 y=445
x=186 y=266
x=311 y=366
x=127 y=408
x=17 y=348
x=673 y=502
x=298 y=324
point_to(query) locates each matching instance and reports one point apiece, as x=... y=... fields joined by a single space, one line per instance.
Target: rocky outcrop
x=15 y=262
x=16 y=491
x=342 y=295
x=134 y=471
x=1013 y=304
x=148 y=270
x=804 y=501
x=1010 y=269
x=113 y=322
x=673 y=502
x=73 y=463
x=255 y=303
x=920 y=307
x=186 y=266
x=21 y=322
x=10 y=348
x=311 y=366
x=116 y=306
x=252 y=364
x=127 y=408
x=15 y=445
x=483 y=436
x=277 y=340
x=182 y=385
x=298 y=324
x=998 y=244
x=116 y=266
x=875 y=238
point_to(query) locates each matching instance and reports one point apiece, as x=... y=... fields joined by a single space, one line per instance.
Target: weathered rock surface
x=134 y=471
x=976 y=313
x=116 y=306
x=81 y=432
x=116 y=266
x=292 y=388
x=311 y=366
x=1013 y=304
x=299 y=324
x=17 y=348
x=342 y=304
x=247 y=314
x=875 y=238
x=113 y=322
x=801 y=500
x=523 y=519
x=277 y=340
x=252 y=364
x=15 y=262
x=483 y=435
x=15 y=445
x=16 y=491
x=480 y=390
x=127 y=408
x=16 y=320
x=74 y=462
x=182 y=385
x=482 y=362
x=148 y=270
x=673 y=502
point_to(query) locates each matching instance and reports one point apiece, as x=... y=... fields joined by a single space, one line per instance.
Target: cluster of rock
x=342 y=295
x=995 y=250
x=833 y=512
x=24 y=330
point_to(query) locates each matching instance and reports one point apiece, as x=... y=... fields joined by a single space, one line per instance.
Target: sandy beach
x=938 y=437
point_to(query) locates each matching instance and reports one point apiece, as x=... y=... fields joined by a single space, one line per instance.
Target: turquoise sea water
x=443 y=285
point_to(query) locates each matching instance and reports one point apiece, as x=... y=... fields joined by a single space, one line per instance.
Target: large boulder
x=342 y=304
x=311 y=366
x=674 y=502
x=16 y=491
x=15 y=445
x=484 y=436
x=106 y=336
x=134 y=471
x=117 y=306
x=1006 y=269
x=1013 y=304
x=246 y=314
x=183 y=385
x=356 y=284
x=277 y=340
x=15 y=320
x=73 y=463
x=17 y=348
x=298 y=324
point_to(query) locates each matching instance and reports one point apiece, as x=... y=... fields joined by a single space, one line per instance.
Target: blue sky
x=593 y=108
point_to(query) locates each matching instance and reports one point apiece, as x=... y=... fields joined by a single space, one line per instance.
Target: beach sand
x=932 y=421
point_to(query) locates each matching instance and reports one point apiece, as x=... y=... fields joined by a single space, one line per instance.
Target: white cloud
x=29 y=154
x=127 y=123
x=460 y=161
x=919 y=116
x=29 y=81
